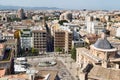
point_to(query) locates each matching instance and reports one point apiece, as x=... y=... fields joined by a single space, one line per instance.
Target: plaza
x=66 y=67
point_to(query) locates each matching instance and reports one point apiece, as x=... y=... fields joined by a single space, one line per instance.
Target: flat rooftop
x=39 y=76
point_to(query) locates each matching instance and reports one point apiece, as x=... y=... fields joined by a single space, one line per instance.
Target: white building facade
x=26 y=39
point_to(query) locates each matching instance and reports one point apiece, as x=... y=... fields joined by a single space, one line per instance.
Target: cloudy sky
x=67 y=4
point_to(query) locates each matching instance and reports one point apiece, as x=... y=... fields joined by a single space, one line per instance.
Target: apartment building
x=26 y=39
x=68 y=41
x=59 y=39
x=8 y=34
x=94 y=27
x=62 y=40
x=40 y=40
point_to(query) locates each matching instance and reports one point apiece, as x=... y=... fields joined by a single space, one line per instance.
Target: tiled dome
x=103 y=44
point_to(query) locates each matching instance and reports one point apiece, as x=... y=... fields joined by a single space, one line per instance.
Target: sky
x=66 y=4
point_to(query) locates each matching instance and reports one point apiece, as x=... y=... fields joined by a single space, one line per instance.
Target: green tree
x=34 y=50
x=58 y=49
x=62 y=21
x=73 y=53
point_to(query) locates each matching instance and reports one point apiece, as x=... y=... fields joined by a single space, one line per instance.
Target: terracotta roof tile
x=100 y=73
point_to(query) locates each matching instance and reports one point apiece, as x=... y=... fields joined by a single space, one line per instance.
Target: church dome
x=103 y=44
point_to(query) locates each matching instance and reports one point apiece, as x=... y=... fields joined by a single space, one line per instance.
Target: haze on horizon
x=66 y=4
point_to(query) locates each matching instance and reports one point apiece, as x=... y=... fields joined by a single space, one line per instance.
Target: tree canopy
x=73 y=53
x=33 y=50
x=58 y=49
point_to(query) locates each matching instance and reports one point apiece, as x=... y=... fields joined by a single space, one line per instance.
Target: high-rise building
x=62 y=40
x=21 y=14
x=59 y=39
x=40 y=40
x=68 y=41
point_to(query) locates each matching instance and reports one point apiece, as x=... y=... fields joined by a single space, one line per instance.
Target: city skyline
x=72 y=4
x=59 y=40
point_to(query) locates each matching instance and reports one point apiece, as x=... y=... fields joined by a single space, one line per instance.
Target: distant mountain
x=27 y=8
